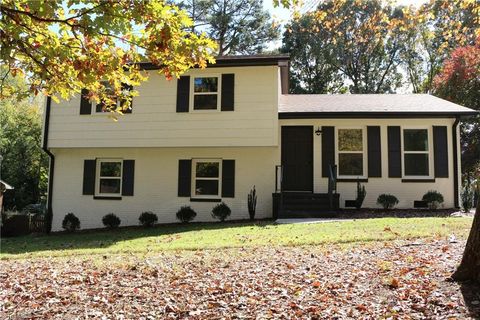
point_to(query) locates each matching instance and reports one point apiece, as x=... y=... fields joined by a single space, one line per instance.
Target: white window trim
x=429 y=152
x=193 y=93
x=98 y=177
x=194 y=178
x=363 y=152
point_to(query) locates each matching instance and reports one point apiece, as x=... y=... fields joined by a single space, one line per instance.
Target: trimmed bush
x=433 y=198
x=467 y=198
x=111 y=221
x=148 y=219
x=387 y=201
x=252 y=203
x=186 y=214
x=70 y=223
x=221 y=211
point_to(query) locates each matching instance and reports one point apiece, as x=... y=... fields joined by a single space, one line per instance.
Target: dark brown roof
x=299 y=105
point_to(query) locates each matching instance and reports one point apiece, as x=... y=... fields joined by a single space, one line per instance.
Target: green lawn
x=227 y=235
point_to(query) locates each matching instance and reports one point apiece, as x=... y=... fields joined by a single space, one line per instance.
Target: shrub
x=433 y=198
x=221 y=211
x=467 y=198
x=252 y=203
x=361 y=194
x=111 y=221
x=70 y=223
x=148 y=219
x=387 y=201
x=186 y=214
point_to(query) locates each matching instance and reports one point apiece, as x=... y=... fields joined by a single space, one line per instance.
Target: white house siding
x=406 y=192
x=154 y=121
x=156 y=182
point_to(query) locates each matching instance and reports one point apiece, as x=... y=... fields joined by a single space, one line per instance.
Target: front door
x=297 y=158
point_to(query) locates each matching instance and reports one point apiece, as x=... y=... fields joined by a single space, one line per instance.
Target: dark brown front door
x=297 y=158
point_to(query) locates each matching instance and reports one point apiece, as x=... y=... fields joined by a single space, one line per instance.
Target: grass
x=229 y=235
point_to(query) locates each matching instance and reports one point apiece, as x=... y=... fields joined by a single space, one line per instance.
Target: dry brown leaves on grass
x=397 y=280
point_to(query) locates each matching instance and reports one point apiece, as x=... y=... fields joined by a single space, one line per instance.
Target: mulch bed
x=397 y=280
x=394 y=213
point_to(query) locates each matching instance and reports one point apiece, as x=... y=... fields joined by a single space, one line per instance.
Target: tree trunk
x=469 y=268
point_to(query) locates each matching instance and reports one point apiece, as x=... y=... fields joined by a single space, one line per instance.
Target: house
x=4 y=188
x=213 y=134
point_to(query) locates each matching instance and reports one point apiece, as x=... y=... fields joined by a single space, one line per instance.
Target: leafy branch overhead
x=64 y=47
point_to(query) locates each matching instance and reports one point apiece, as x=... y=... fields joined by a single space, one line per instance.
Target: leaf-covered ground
x=396 y=279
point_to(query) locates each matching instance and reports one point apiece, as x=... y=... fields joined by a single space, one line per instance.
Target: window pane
x=416 y=164
x=109 y=185
x=415 y=139
x=350 y=164
x=110 y=169
x=350 y=140
x=207 y=169
x=206 y=84
x=205 y=102
x=206 y=187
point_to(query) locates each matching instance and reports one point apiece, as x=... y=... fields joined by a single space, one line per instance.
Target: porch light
x=318 y=131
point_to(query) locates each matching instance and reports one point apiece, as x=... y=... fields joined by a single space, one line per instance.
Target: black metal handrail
x=332 y=183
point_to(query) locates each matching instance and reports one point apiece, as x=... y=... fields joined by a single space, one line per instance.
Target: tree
x=65 y=46
x=459 y=82
x=434 y=30
x=24 y=164
x=308 y=46
x=237 y=26
x=360 y=40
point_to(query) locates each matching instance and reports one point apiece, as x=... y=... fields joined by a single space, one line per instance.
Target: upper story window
x=100 y=107
x=206 y=94
x=416 y=154
x=109 y=177
x=206 y=178
x=351 y=152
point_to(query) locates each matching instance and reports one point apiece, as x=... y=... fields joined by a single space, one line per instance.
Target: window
x=206 y=178
x=206 y=93
x=350 y=152
x=416 y=152
x=109 y=177
x=100 y=107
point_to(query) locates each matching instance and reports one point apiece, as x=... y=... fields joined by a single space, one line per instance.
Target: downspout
x=455 y=162
x=49 y=215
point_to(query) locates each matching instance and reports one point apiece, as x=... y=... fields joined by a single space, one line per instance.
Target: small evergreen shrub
x=252 y=203
x=221 y=211
x=387 y=201
x=186 y=214
x=70 y=222
x=433 y=198
x=148 y=219
x=467 y=198
x=111 y=221
x=361 y=194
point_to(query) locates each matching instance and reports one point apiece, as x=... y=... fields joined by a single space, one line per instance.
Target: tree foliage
x=237 y=26
x=65 y=46
x=24 y=164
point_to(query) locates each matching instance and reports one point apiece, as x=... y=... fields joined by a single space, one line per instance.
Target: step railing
x=279 y=187
x=332 y=183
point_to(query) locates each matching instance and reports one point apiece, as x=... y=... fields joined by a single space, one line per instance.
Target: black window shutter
x=394 y=152
x=328 y=149
x=184 y=177
x=228 y=91
x=129 y=88
x=374 y=152
x=183 y=93
x=228 y=178
x=89 y=167
x=440 y=148
x=128 y=177
x=85 y=104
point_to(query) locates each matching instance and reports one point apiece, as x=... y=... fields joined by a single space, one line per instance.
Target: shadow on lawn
x=471 y=295
x=103 y=238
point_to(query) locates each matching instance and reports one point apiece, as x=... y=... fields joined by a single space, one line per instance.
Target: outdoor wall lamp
x=318 y=131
